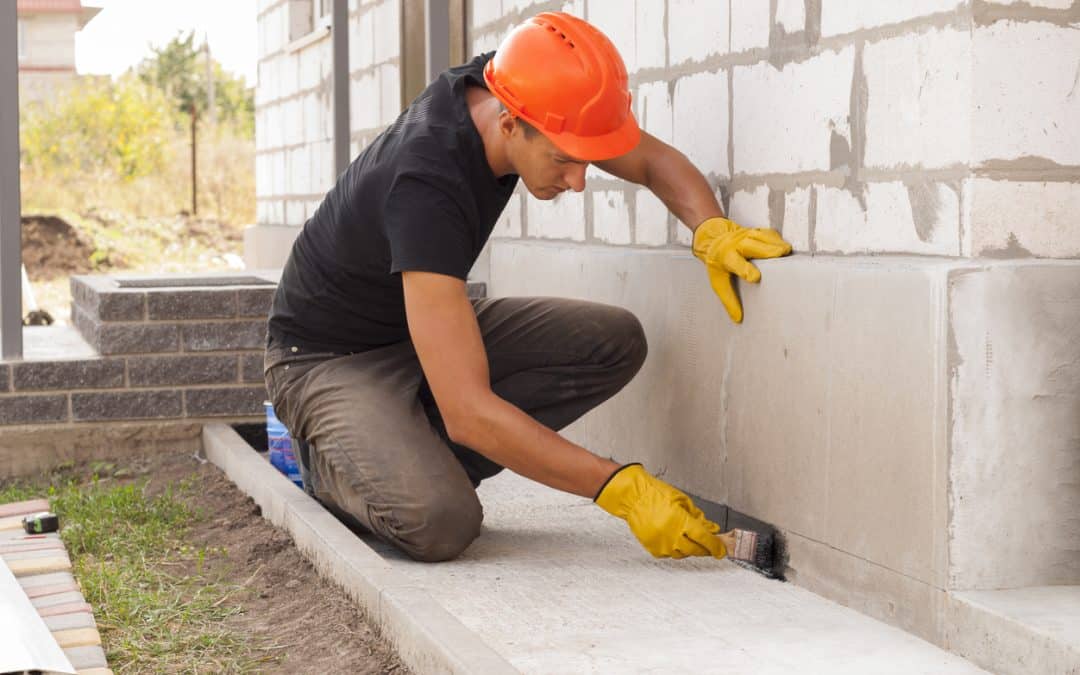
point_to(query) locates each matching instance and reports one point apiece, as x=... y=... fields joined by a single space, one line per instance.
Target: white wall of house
x=904 y=388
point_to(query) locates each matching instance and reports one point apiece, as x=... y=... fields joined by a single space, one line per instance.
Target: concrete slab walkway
x=555 y=585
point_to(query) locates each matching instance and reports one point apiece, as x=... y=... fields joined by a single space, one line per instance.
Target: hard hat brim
x=598 y=148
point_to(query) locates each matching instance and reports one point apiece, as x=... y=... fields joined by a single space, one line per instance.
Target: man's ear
x=507 y=123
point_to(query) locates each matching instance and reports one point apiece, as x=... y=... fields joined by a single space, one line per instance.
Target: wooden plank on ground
x=24 y=508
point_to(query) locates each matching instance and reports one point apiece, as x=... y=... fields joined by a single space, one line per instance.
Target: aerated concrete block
x=700 y=125
x=387 y=19
x=697 y=29
x=750 y=208
x=560 y=218
x=785 y=120
x=651 y=219
x=1012 y=219
x=616 y=20
x=651 y=43
x=1015 y=384
x=796 y=223
x=791 y=15
x=611 y=217
x=509 y=223
x=847 y=16
x=1025 y=95
x=919 y=100
x=654 y=110
x=749 y=25
x=897 y=218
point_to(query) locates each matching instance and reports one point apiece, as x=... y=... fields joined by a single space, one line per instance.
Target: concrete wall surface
x=902 y=398
x=851 y=410
x=1015 y=392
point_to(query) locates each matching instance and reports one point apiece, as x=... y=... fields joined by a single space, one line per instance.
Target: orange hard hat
x=564 y=77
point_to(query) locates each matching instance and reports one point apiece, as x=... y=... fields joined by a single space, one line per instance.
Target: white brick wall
x=845 y=16
x=654 y=110
x=750 y=208
x=791 y=15
x=796 y=228
x=749 y=25
x=649 y=37
x=611 y=217
x=697 y=29
x=1026 y=92
x=888 y=224
x=389 y=93
x=387 y=29
x=1040 y=218
x=783 y=118
x=362 y=40
x=484 y=11
x=616 y=20
x=651 y=218
x=560 y=218
x=509 y=223
x=700 y=125
x=919 y=100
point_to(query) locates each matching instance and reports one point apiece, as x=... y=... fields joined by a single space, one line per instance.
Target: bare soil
x=314 y=625
x=52 y=248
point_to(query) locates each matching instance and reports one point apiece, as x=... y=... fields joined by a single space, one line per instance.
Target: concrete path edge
x=428 y=638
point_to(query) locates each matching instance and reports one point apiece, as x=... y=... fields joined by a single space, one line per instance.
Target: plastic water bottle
x=282 y=455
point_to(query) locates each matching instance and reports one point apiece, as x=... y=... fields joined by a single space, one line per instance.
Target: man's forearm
x=682 y=188
x=507 y=435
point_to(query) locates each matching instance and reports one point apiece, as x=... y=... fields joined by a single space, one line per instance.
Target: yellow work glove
x=663 y=519
x=726 y=248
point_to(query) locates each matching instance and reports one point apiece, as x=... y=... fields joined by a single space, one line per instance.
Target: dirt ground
x=320 y=628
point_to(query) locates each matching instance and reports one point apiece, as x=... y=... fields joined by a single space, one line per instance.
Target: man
x=409 y=393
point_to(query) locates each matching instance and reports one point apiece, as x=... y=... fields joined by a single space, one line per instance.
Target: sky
x=121 y=35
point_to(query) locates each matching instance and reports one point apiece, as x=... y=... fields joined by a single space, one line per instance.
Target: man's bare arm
x=447 y=338
x=670 y=176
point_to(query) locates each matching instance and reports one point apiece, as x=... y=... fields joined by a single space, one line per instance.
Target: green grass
x=130 y=553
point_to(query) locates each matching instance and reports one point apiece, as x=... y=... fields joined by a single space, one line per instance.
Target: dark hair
x=529 y=129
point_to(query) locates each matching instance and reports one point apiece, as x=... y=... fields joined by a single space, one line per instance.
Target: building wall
x=900 y=386
x=934 y=127
x=49 y=40
x=293 y=105
x=47 y=66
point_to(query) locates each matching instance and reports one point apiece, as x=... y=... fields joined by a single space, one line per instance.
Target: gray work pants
x=380 y=456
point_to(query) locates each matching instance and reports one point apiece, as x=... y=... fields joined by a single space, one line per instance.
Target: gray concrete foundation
x=909 y=423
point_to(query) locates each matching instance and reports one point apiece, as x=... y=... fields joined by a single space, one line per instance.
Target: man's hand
x=662 y=518
x=726 y=248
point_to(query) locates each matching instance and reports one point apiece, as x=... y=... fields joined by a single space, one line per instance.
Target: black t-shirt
x=421 y=196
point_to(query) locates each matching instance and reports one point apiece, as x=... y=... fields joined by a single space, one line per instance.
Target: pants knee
x=442 y=527
x=630 y=336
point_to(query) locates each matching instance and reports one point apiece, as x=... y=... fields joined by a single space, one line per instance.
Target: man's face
x=545 y=170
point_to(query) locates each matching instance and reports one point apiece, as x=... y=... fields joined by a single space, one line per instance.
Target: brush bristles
x=754 y=548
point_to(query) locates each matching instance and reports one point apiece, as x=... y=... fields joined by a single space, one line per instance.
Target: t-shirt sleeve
x=426 y=228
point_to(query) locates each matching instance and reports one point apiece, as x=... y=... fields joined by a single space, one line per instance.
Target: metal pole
x=194 y=171
x=339 y=22
x=210 y=107
x=11 y=342
x=437 y=34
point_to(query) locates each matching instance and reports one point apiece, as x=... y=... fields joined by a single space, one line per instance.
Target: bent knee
x=441 y=528
x=629 y=335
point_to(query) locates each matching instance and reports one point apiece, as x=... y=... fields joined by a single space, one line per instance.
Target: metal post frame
x=11 y=343
x=437 y=35
x=340 y=36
